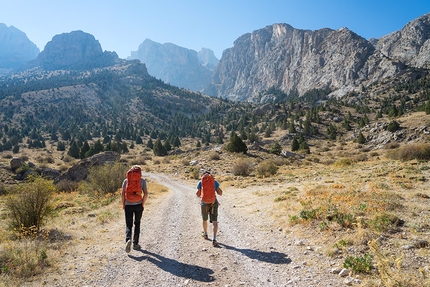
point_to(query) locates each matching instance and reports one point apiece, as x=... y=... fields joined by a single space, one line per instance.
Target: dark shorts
x=210 y=211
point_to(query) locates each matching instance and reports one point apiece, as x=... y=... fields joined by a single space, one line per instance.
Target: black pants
x=130 y=211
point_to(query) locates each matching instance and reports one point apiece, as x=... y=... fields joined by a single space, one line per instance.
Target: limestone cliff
x=176 y=65
x=75 y=50
x=290 y=59
x=15 y=49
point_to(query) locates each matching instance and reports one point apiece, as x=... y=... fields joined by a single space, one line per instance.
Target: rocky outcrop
x=176 y=65
x=410 y=45
x=15 y=49
x=75 y=50
x=79 y=171
x=207 y=58
x=288 y=59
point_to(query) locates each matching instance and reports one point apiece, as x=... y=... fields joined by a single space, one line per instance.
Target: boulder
x=16 y=163
x=79 y=171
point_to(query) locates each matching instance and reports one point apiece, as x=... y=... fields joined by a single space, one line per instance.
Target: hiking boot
x=214 y=243
x=205 y=235
x=128 y=246
x=136 y=247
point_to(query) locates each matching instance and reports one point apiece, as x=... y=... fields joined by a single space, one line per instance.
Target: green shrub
x=236 y=145
x=29 y=204
x=243 y=167
x=266 y=168
x=194 y=173
x=393 y=126
x=107 y=178
x=359 y=264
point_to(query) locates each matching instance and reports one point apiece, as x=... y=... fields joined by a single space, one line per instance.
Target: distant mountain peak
x=177 y=65
x=15 y=48
x=74 y=50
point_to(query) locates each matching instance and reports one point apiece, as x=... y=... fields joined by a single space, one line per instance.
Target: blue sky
x=121 y=26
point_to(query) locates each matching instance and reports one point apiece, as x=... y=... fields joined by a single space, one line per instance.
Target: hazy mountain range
x=277 y=56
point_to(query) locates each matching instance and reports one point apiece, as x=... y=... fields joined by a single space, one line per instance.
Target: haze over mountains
x=277 y=56
x=176 y=65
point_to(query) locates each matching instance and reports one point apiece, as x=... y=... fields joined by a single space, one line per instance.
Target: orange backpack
x=133 y=190
x=208 y=188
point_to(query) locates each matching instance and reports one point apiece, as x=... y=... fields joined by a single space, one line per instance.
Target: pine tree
x=236 y=145
x=74 y=150
x=276 y=148
x=159 y=149
x=84 y=149
x=361 y=139
x=295 y=145
x=150 y=144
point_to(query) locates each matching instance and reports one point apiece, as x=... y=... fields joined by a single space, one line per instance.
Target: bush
x=266 y=168
x=29 y=204
x=214 y=156
x=359 y=264
x=393 y=126
x=107 y=178
x=66 y=185
x=276 y=148
x=410 y=152
x=236 y=145
x=194 y=173
x=243 y=167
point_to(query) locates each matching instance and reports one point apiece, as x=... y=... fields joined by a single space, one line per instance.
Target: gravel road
x=251 y=252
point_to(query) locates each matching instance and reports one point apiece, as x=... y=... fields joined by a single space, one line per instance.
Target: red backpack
x=208 y=188
x=133 y=189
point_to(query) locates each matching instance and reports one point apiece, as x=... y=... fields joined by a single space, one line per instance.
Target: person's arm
x=145 y=193
x=199 y=189
x=123 y=194
x=145 y=196
x=219 y=190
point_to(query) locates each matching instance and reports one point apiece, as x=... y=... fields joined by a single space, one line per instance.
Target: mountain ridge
x=176 y=65
x=290 y=60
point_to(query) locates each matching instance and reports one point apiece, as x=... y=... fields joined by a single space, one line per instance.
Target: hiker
x=134 y=195
x=206 y=188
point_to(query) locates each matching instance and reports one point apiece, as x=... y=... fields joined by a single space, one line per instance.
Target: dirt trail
x=251 y=252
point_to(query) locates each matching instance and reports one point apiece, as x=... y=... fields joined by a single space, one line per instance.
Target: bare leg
x=205 y=226
x=215 y=227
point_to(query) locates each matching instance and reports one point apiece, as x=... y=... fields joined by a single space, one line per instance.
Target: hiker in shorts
x=133 y=203
x=207 y=188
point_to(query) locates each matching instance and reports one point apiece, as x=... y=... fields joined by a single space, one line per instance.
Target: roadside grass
x=347 y=197
x=76 y=217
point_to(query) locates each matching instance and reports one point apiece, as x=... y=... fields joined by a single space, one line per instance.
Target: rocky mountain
x=207 y=58
x=410 y=45
x=15 y=49
x=176 y=65
x=288 y=59
x=76 y=50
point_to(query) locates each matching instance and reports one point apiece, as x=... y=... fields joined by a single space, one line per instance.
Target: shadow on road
x=177 y=268
x=270 y=257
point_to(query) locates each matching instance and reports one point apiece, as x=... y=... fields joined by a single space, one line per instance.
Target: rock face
x=75 y=50
x=79 y=171
x=290 y=59
x=15 y=49
x=410 y=45
x=176 y=65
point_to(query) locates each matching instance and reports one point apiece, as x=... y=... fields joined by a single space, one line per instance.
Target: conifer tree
x=236 y=144
x=74 y=150
x=159 y=149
